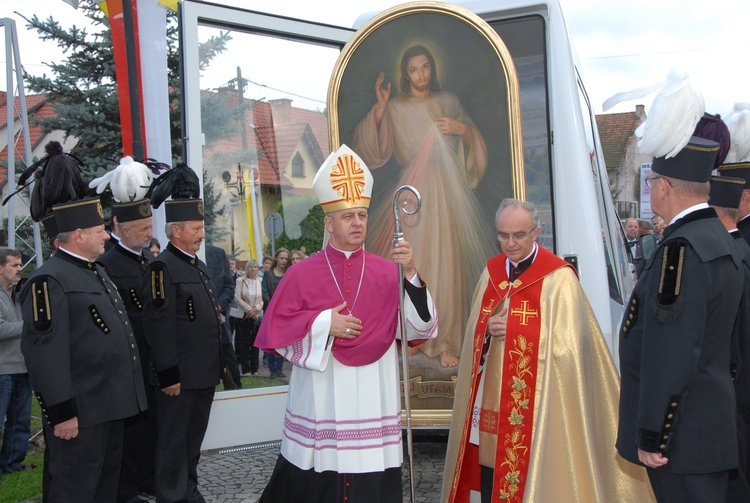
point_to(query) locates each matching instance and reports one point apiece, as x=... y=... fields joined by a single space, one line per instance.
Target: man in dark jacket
x=125 y=263
x=677 y=406
x=182 y=323
x=726 y=193
x=82 y=358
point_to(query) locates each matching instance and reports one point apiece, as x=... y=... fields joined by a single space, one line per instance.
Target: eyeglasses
x=517 y=236
x=649 y=180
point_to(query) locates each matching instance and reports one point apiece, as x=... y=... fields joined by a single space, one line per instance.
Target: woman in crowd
x=295 y=257
x=270 y=282
x=248 y=295
x=154 y=247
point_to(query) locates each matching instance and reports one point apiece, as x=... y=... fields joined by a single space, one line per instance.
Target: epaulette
x=158 y=292
x=42 y=329
x=666 y=305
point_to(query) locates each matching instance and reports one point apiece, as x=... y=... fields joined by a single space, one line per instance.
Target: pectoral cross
x=524 y=312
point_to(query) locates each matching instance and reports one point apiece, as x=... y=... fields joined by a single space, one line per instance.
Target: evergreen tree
x=83 y=86
x=214 y=233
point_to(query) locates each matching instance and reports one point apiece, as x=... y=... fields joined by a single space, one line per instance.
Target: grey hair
x=517 y=203
x=723 y=211
x=687 y=188
x=168 y=228
x=250 y=262
x=64 y=237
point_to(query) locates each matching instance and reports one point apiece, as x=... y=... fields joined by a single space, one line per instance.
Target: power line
x=285 y=92
x=660 y=53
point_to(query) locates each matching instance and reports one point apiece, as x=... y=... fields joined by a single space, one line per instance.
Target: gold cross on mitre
x=524 y=312
x=343 y=182
x=348 y=178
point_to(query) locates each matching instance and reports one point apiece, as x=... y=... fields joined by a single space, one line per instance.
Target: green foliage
x=26 y=485
x=25 y=241
x=214 y=233
x=217 y=119
x=83 y=86
x=311 y=226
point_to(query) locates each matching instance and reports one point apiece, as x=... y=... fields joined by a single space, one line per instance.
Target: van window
x=610 y=227
x=525 y=39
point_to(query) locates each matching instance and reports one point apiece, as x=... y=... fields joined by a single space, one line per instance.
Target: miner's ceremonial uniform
x=744 y=227
x=126 y=266
x=677 y=396
x=725 y=196
x=181 y=323
x=739 y=483
x=741 y=170
x=83 y=361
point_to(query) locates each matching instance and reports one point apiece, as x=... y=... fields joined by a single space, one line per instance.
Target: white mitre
x=343 y=182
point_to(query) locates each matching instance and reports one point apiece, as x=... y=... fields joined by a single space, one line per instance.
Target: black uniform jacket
x=181 y=321
x=79 y=345
x=744 y=228
x=126 y=270
x=740 y=367
x=677 y=395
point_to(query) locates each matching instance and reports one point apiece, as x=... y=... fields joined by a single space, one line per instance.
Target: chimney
x=639 y=111
x=281 y=111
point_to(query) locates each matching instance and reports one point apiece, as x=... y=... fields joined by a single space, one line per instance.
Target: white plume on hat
x=129 y=181
x=738 y=123
x=675 y=112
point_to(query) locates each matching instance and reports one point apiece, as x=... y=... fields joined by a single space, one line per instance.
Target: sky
x=621 y=45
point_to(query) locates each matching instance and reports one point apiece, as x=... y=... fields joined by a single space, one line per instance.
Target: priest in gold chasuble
x=535 y=413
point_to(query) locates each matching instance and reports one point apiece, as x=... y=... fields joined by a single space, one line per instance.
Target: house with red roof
x=38 y=106
x=277 y=147
x=622 y=158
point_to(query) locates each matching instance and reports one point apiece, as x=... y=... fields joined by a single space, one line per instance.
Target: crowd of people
x=123 y=344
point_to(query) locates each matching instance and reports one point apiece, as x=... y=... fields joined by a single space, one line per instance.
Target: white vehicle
x=562 y=162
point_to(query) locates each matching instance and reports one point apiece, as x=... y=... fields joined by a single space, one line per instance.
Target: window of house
x=298 y=166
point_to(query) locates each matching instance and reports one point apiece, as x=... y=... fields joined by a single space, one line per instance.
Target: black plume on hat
x=155 y=166
x=180 y=182
x=58 y=180
x=711 y=127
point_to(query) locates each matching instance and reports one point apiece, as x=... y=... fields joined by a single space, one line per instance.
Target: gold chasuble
x=541 y=404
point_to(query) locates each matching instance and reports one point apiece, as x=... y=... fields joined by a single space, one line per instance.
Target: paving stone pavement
x=239 y=475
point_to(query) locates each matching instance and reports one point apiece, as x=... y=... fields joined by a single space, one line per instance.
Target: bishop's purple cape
x=308 y=289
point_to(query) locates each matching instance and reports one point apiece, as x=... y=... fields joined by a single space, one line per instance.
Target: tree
x=214 y=233
x=311 y=227
x=83 y=86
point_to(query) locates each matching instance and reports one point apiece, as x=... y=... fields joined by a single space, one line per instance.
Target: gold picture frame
x=476 y=86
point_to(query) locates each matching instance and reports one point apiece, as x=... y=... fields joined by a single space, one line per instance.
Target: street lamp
x=237 y=185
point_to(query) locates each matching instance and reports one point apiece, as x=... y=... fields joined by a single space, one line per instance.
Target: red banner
x=119 y=46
